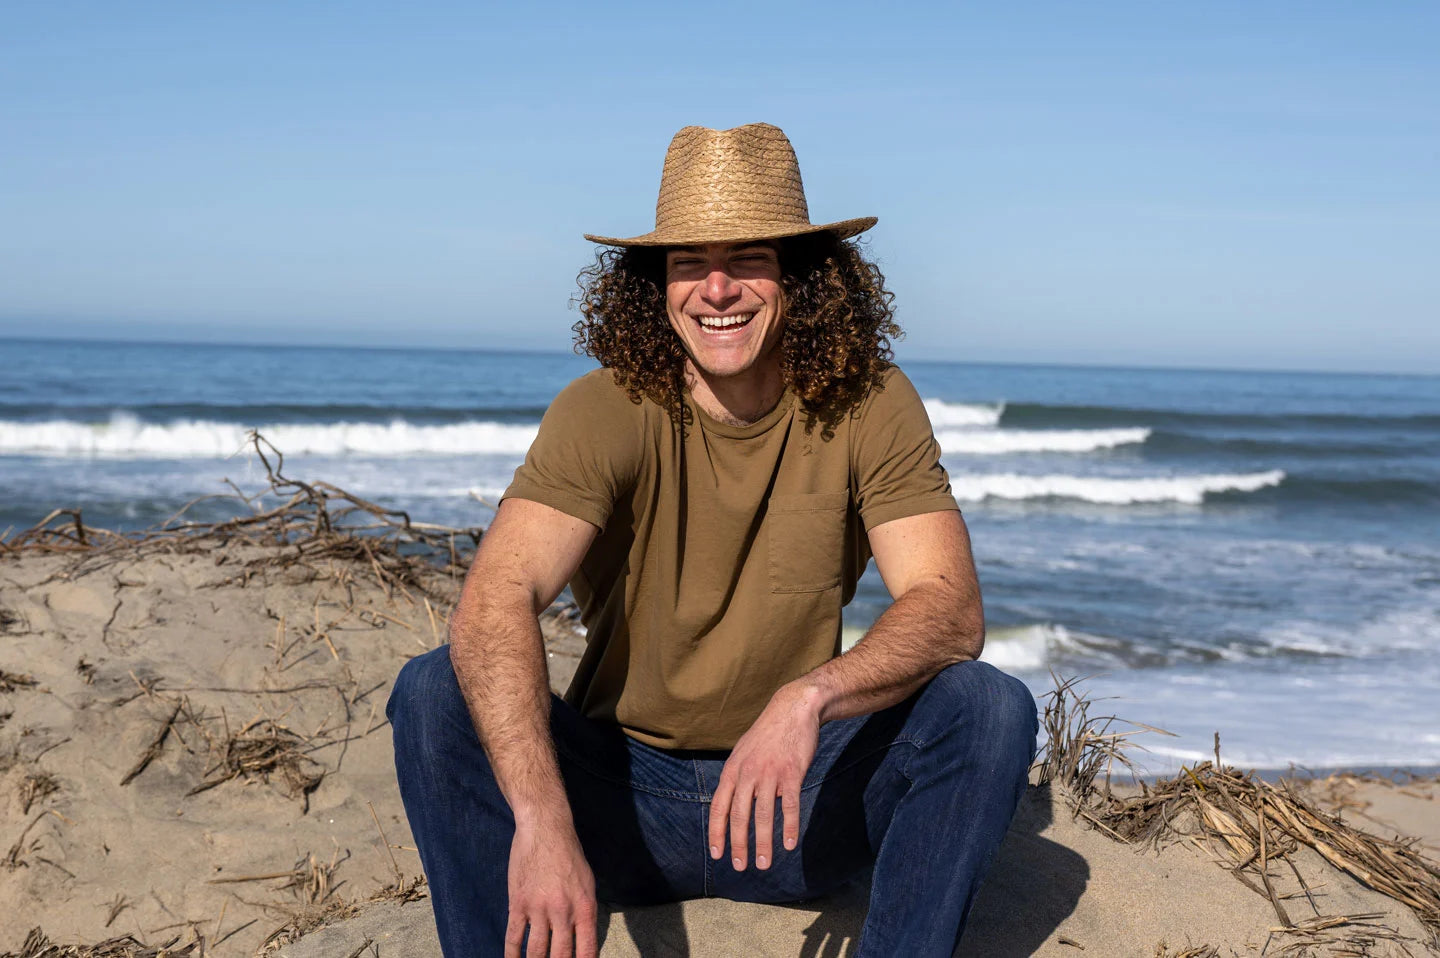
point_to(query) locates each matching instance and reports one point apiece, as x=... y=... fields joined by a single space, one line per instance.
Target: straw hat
x=731 y=186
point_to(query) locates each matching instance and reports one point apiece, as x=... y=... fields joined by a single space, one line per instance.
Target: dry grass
x=1162 y=950
x=10 y=681
x=37 y=945
x=35 y=786
x=304 y=920
x=261 y=751
x=310 y=880
x=16 y=856
x=318 y=523
x=1251 y=826
x=1080 y=748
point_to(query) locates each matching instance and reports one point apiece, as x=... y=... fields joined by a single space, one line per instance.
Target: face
x=725 y=303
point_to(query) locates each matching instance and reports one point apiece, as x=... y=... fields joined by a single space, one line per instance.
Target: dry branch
x=262 y=750
x=316 y=523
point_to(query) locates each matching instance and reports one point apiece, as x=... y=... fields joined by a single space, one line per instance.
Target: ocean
x=1254 y=554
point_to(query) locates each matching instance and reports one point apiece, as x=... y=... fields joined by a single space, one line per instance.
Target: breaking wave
x=1002 y=441
x=125 y=436
x=951 y=414
x=1190 y=490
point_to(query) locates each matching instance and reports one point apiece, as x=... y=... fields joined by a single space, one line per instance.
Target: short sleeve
x=895 y=458
x=587 y=452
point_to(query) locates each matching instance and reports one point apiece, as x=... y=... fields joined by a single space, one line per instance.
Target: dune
x=194 y=756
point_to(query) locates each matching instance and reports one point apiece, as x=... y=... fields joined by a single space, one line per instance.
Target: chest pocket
x=807 y=541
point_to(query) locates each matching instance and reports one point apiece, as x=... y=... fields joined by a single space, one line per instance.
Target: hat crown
x=732 y=186
x=743 y=177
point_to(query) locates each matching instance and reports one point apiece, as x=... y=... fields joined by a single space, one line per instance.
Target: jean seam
x=707 y=885
x=704 y=832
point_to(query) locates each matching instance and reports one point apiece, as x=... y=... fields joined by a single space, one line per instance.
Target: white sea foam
x=1404 y=629
x=1026 y=647
x=1001 y=441
x=951 y=414
x=1106 y=490
x=124 y=436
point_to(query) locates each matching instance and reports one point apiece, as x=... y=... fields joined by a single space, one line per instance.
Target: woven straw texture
x=731 y=186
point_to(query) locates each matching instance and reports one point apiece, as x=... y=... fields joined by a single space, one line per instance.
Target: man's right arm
x=525 y=558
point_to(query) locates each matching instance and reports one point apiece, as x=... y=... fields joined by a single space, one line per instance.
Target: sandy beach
x=193 y=754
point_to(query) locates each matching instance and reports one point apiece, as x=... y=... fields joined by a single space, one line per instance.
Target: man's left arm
x=936 y=620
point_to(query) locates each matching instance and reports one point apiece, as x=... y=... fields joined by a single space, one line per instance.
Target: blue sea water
x=1256 y=554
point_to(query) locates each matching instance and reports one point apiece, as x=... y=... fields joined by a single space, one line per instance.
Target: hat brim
x=737 y=233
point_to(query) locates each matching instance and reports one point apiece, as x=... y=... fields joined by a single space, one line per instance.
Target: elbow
x=973 y=640
x=965 y=616
x=966 y=634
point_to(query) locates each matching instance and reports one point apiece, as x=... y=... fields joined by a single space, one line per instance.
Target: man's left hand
x=770 y=759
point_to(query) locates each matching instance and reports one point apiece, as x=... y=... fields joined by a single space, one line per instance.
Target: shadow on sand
x=1033 y=886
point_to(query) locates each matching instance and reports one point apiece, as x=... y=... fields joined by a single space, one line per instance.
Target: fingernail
x=714 y=851
x=790 y=843
x=737 y=863
x=761 y=861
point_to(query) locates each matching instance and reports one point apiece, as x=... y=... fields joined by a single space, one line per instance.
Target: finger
x=764 y=823
x=562 y=938
x=586 y=945
x=539 y=937
x=740 y=824
x=790 y=810
x=514 y=934
x=720 y=812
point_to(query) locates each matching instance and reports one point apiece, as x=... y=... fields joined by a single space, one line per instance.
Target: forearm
x=499 y=659
x=928 y=628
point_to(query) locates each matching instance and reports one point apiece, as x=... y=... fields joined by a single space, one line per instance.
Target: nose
x=721 y=289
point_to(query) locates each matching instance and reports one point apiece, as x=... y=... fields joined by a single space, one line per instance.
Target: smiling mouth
x=724 y=324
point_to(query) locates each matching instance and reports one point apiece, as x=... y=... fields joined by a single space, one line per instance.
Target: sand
x=267 y=657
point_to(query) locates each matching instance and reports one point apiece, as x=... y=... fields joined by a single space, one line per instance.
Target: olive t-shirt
x=725 y=552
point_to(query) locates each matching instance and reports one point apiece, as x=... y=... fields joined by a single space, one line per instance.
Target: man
x=712 y=494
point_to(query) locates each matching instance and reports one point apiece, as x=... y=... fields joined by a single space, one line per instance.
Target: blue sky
x=1233 y=185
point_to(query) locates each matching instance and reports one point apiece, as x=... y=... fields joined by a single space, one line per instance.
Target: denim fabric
x=923 y=791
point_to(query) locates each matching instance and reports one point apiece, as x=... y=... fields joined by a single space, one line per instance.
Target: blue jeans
x=924 y=791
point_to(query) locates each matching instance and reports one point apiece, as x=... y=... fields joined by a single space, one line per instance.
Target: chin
x=723 y=366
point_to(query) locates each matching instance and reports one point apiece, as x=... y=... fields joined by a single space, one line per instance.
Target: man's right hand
x=552 y=890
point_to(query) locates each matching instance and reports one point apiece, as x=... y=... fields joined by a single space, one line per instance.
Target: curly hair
x=835 y=344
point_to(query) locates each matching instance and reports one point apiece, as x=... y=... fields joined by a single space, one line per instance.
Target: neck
x=736 y=400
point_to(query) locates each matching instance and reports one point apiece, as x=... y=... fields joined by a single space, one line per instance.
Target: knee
x=993 y=707
x=426 y=699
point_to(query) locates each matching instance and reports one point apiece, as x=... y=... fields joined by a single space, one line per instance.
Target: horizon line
x=520 y=351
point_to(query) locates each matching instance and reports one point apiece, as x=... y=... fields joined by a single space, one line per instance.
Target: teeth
x=724 y=322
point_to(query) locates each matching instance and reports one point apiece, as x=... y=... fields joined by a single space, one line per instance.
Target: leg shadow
x=1033 y=886
x=657 y=931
